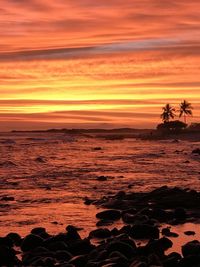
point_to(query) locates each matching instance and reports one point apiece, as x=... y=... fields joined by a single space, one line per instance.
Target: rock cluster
x=141 y=213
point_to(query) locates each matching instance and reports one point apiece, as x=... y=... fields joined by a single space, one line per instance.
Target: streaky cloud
x=84 y=52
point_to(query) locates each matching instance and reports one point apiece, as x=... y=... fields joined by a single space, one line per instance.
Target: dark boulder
x=8 y=257
x=115 y=264
x=144 y=231
x=72 y=233
x=81 y=247
x=159 y=246
x=7 y=198
x=172 y=260
x=30 y=242
x=15 y=237
x=109 y=215
x=191 y=248
x=102 y=178
x=196 y=151
x=180 y=213
x=119 y=246
x=190 y=261
x=104 y=223
x=6 y=241
x=135 y=219
x=100 y=233
x=189 y=233
x=40 y=231
x=161 y=215
x=137 y=263
x=58 y=245
x=167 y=232
x=79 y=261
x=63 y=255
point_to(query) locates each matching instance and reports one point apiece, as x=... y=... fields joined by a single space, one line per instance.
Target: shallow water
x=49 y=174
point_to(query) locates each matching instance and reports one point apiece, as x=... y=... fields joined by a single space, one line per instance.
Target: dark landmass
x=142 y=215
x=184 y=135
x=122 y=133
x=89 y=131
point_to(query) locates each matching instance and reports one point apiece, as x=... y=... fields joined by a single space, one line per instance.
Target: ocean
x=45 y=176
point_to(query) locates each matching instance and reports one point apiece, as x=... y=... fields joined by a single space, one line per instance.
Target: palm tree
x=168 y=113
x=185 y=109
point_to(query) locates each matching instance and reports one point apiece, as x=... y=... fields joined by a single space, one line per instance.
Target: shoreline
x=145 y=234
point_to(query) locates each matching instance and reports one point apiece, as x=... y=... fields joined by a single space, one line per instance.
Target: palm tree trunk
x=185 y=118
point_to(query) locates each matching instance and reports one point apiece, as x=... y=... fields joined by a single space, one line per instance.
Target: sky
x=97 y=64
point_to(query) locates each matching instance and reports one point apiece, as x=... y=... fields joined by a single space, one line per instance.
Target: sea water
x=49 y=175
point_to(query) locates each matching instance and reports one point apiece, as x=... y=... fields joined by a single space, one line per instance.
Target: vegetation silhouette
x=171 y=126
x=168 y=113
x=185 y=109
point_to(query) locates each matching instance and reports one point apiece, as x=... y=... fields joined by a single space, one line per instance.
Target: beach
x=52 y=180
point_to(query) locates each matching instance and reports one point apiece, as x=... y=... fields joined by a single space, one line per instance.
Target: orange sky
x=103 y=63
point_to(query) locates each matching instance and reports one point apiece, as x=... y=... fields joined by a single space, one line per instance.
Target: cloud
x=93 y=56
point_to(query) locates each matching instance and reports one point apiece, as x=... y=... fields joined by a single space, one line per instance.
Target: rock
x=167 y=232
x=15 y=237
x=79 y=261
x=62 y=237
x=102 y=178
x=7 y=257
x=125 y=249
x=119 y=255
x=63 y=255
x=104 y=223
x=30 y=242
x=65 y=265
x=7 y=198
x=72 y=233
x=144 y=231
x=6 y=241
x=189 y=233
x=135 y=219
x=175 y=141
x=180 y=213
x=120 y=195
x=100 y=233
x=40 y=231
x=41 y=261
x=196 y=151
x=160 y=214
x=113 y=264
x=92 y=264
x=137 y=263
x=58 y=245
x=97 y=148
x=98 y=254
x=190 y=261
x=36 y=254
x=159 y=246
x=88 y=201
x=191 y=248
x=109 y=215
x=172 y=260
x=81 y=247
x=115 y=232
x=40 y=160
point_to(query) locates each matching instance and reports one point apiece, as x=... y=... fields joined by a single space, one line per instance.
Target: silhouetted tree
x=171 y=126
x=185 y=109
x=168 y=113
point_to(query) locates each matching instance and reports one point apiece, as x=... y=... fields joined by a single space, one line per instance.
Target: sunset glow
x=103 y=64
